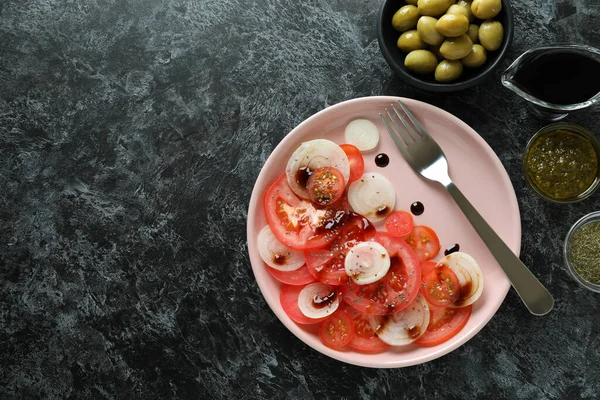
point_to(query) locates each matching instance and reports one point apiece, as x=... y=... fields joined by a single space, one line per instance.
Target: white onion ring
x=312 y=155
x=276 y=254
x=469 y=275
x=372 y=196
x=363 y=134
x=367 y=262
x=403 y=327
x=317 y=293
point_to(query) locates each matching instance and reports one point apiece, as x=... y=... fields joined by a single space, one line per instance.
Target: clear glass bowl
x=540 y=108
x=591 y=217
x=574 y=129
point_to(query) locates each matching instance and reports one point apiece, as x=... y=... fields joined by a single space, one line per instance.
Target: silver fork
x=426 y=157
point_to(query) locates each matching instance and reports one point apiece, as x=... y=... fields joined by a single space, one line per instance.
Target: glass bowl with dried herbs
x=581 y=251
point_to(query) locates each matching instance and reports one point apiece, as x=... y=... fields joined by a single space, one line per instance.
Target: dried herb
x=584 y=252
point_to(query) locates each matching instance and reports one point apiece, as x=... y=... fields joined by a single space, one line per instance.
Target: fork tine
x=401 y=146
x=414 y=121
x=406 y=137
x=414 y=135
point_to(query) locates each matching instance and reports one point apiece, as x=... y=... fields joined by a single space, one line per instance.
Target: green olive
x=467 y=4
x=433 y=8
x=457 y=47
x=448 y=70
x=486 y=9
x=491 y=34
x=473 y=33
x=476 y=58
x=452 y=25
x=421 y=61
x=459 y=10
x=405 y=18
x=427 y=31
x=412 y=2
x=410 y=41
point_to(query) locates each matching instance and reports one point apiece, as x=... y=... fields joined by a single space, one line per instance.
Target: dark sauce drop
x=302 y=176
x=382 y=160
x=413 y=332
x=366 y=225
x=383 y=211
x=331 y=221
x=465 y=289
x=394 y=262
x=324 y=301
x=452 y=249
x=417 y=208
x=560 y=77
x=279 y=259
x=385 y=319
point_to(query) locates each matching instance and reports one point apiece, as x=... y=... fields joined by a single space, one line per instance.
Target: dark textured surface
x=131 y=133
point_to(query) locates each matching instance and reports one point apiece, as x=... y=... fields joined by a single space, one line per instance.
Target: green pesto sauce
x=562 y=164
x=584 y=252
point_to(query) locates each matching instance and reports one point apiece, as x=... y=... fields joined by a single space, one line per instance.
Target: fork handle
x=534 y=295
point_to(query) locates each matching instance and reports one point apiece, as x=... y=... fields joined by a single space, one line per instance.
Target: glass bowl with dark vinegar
x=556 y=79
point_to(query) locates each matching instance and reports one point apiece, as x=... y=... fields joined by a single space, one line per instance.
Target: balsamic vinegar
x=560 y=77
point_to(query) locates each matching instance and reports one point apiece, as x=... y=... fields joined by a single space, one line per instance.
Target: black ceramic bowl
x=388 y=37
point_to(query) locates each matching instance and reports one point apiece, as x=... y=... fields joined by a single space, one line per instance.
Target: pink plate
x=475 y=169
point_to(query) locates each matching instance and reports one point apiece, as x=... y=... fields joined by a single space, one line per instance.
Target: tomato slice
x=301 y=276
x=423 y=240
x=325 y=186
x=364 y=339
x=399 y=223
x=444 y=323
x=427 y=266
x=440 y=286
x=296 y=222
x=337 y=330
x=288 y=297
x=356 y=161
x=396 y=290
x=327 y=265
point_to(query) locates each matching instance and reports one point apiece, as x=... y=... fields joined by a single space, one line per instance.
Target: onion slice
x=312 y=155
x=469 y=275
x=367 y=262
x=403 y=327
x=276 y=254
x=372 y=196
x=363 y=134
x=318 y=300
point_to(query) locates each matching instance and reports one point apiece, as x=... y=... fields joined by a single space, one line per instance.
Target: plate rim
x=490 y=154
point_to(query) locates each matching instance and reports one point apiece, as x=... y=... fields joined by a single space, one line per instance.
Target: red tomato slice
x=301 y=276
x=356 y=161
x=288 y=297
x=427 y=266
x=399 y=223
x=444 y=323
x=296 y=222
x=396 y=290
x=423 y=240
x=337 y=330
x=325 y=186
x=440 y=286
x=364 y=339
x=327 y=265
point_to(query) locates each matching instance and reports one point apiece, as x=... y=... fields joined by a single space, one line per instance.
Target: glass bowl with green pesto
x=560 y=163
x=581 y=251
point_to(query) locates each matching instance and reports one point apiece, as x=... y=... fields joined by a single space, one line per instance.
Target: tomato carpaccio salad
x=366 y=288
